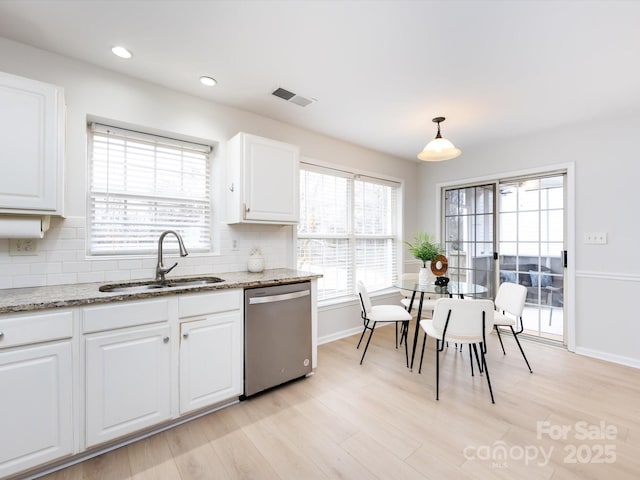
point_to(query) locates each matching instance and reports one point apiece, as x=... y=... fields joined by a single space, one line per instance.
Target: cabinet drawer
x=206 y=303
x=128 y=314
x=25 y=329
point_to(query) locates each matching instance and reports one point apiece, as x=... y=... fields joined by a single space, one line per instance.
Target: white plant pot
x=423 y=274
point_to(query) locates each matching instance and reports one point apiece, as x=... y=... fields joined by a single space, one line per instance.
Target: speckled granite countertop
x=56 y=296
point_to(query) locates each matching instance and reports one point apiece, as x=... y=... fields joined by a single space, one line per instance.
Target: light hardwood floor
x=381 y=421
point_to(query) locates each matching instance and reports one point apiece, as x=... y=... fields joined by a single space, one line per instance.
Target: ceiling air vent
x=292 y=97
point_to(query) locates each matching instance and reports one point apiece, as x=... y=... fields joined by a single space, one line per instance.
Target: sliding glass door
x=532 y=251
x=525 y=219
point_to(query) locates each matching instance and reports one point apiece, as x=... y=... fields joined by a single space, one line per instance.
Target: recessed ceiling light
x=208 y=81
x=121 y=52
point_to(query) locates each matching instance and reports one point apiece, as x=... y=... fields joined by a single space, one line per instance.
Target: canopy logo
x=584 y=442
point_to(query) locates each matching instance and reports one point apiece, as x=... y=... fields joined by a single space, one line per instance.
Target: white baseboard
x=339 y=335
x=627 y=361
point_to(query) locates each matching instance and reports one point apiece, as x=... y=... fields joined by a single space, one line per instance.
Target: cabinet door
x=128 y=384
x=36 y=424
x=271 y=180
x=210 y=360
x=32 y=139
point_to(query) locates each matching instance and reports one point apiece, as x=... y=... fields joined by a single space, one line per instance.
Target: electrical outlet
x=23 y=246
x=595 y=238
x=234 y=244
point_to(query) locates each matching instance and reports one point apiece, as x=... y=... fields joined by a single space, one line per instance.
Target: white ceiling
x=380 y=70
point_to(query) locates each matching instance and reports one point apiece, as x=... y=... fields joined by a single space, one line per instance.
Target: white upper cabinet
x=263 y=180
x=31 y=146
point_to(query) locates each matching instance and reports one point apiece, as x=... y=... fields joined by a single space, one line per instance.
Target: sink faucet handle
x=167 y=270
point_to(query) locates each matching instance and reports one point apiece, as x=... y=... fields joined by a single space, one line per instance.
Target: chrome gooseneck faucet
x=161 y=270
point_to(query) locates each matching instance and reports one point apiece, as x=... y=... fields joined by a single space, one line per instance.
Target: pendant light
x=439 y=148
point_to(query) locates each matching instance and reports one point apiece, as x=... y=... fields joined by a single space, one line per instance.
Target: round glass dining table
x=453 y=288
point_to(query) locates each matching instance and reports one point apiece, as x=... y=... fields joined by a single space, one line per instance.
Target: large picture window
x=141 y=185
x=348 y=230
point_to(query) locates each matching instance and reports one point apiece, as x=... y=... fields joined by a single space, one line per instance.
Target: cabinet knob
x=185 y=335
x=1 y=335
x=165 y=339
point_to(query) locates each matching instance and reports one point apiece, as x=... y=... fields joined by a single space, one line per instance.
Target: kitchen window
x=141 y=185
x=348 y=230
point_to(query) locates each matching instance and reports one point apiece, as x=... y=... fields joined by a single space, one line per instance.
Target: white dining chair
x=463 y=321
x=374 y=314
x=509 y=307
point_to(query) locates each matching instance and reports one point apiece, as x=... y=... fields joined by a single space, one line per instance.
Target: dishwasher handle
x=279 y=298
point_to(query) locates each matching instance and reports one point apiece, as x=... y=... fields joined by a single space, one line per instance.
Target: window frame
x=353 y=175
x=160 y=140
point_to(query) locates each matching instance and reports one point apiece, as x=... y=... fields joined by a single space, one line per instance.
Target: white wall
x=92 y=91
x=607 y=173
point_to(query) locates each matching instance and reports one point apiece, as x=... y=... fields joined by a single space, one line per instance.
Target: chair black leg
x=368 y=340
x=521 y=350
x=471 y=360
x=405 y=326
x=437 y=369
x=396 y=335
x=486 y=371
x=500 y=338
x=406 y=331
x=424 y=342
x=361 y=337
x=475 y=350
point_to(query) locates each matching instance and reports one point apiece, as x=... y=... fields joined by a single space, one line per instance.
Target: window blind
x=347 y=230
x=142 y=185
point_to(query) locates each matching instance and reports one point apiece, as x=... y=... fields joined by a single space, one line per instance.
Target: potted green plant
x=426 y=249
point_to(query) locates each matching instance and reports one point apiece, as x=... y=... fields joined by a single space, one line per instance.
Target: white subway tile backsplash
x=143 y=274
x=103 y=265
x=62 y=278
x=15 y=269
x=17 y=260
x=45 y=268
x=117 y=275
x=62 y=256
x=20 y=281
x=72 y=243
x=77 y=267
x=66 y=233
x=129 y=264
x=90 y=277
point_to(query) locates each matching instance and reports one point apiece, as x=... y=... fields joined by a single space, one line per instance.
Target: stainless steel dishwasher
x=277 y=329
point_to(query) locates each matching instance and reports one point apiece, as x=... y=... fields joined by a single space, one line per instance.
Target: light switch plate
x=595 y=238
x=23 y=246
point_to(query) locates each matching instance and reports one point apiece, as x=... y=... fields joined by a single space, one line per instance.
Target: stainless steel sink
x=194 y=282
x=141 y=287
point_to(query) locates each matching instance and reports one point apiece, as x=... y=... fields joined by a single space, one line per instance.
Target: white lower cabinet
x=143 y=363
x=141 y=356
x=36 y=407
x=210 y=360
x=128 y=381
